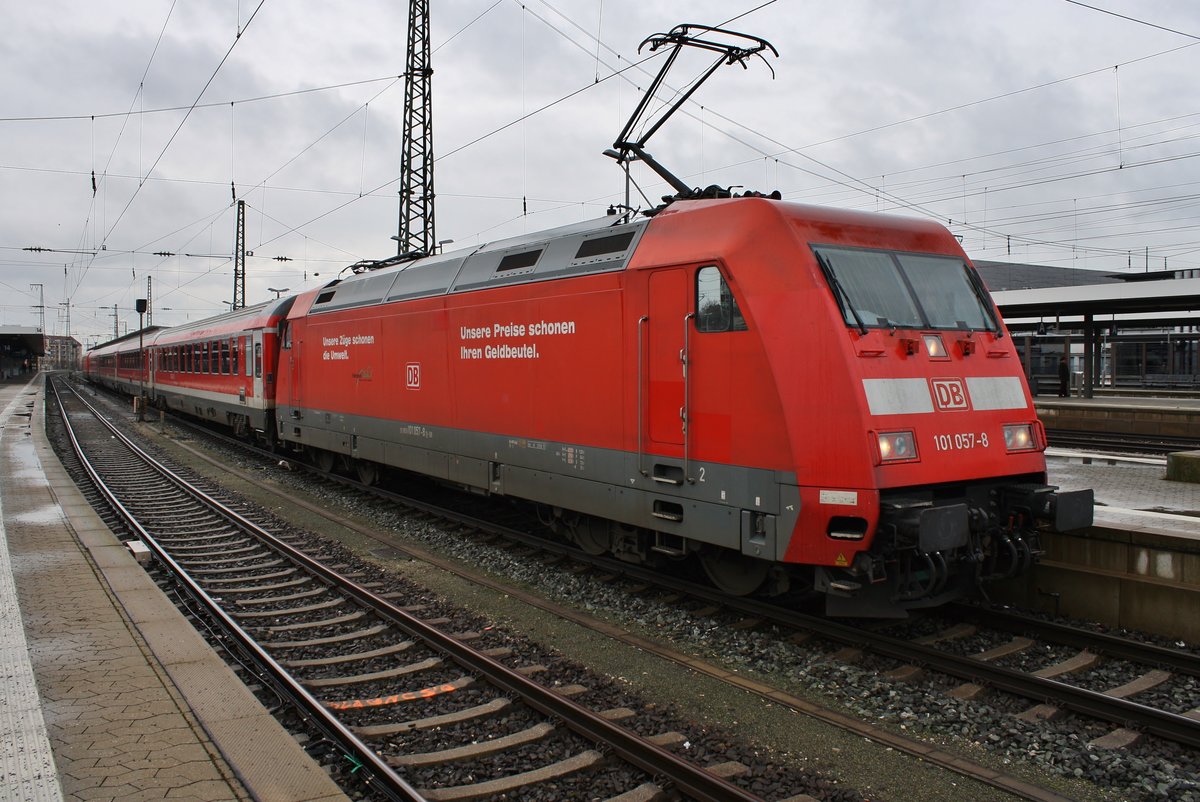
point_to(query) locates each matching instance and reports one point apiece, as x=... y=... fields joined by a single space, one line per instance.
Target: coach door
x=666 y=342
x=254 y=364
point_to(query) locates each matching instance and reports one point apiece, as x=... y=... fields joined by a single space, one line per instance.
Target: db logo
x=412 y=375
x=949 y=394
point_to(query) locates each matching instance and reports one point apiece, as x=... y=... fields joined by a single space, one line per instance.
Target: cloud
x=866 y=79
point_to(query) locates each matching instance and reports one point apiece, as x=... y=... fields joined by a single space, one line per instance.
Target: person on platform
x=1064 y=378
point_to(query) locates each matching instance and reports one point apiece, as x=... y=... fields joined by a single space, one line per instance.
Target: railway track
x=414 y=704
x=991 y=668
x=1120 y=443
x=1048 y=682
x=945 y=650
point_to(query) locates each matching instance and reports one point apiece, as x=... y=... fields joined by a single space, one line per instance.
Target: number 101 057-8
x=960 y=442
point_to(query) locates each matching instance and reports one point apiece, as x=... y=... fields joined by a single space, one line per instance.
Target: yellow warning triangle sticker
x=841 y=560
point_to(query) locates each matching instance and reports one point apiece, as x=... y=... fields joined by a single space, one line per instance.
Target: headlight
x=934 y=346
x=1019 y=437
x=897 y=446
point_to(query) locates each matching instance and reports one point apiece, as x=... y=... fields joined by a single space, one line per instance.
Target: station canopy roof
x=1169 y=302
x=24 y=338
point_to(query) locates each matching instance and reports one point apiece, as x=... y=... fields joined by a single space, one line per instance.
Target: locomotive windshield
x=888 y=289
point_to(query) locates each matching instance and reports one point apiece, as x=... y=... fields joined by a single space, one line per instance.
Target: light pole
x=141 y=405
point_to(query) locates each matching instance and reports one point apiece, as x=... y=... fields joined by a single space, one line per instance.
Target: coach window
x=258 y=360
x=225 y=357
x=233 y=353
x=716 y=308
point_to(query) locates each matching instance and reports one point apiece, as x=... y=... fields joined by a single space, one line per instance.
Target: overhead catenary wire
x=994 y=191
x=599 y=46
x=853 y=183
x=175 y=133
x=1133 y=19
x=142 y=178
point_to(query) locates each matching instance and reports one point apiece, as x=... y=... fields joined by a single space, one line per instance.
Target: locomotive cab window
x=888 y=289
x=716 y=308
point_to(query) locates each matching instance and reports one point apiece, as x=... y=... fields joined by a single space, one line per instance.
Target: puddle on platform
x=49 y=514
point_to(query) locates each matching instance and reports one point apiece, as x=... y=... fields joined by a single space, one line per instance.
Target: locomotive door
x=293 y=351
x=666 y=396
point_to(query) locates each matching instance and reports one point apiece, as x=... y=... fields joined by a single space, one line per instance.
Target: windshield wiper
x=840 y=291
x=982 y=295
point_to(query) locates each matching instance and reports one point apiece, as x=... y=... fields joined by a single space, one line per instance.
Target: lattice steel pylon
x=239 y=258
x=416 y=231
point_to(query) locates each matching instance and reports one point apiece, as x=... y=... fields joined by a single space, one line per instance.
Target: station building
x=62 y=353
x=1131 y=329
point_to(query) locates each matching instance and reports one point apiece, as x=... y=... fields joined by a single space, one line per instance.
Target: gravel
x=1152 y=770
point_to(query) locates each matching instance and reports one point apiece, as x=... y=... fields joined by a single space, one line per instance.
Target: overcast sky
x=1039 y=131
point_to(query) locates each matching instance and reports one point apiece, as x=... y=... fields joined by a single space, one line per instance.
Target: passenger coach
x=118 y=364
x=222 y=369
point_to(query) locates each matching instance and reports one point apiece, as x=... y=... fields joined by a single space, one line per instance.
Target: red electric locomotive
x=801 y=397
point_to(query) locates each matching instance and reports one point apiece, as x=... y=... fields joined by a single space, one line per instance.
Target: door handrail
x=684 y=356
x=640 y=382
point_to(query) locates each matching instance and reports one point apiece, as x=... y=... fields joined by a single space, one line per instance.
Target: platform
x=1137 y=567
x=1131 y=493
x=109 y=692
x=1143 y=415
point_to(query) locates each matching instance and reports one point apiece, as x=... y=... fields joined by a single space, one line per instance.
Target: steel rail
x=684 y=776
x=1119 y=441
x=1122 y=712
x=868 y=731
x=1110 y=645
x=395 y=785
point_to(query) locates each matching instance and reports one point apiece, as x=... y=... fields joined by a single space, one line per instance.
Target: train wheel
x=368 y=472
x=734 y=573
x=592 y=535
x=324 y=460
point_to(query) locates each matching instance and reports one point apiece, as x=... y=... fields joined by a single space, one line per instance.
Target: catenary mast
x=416 y=231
